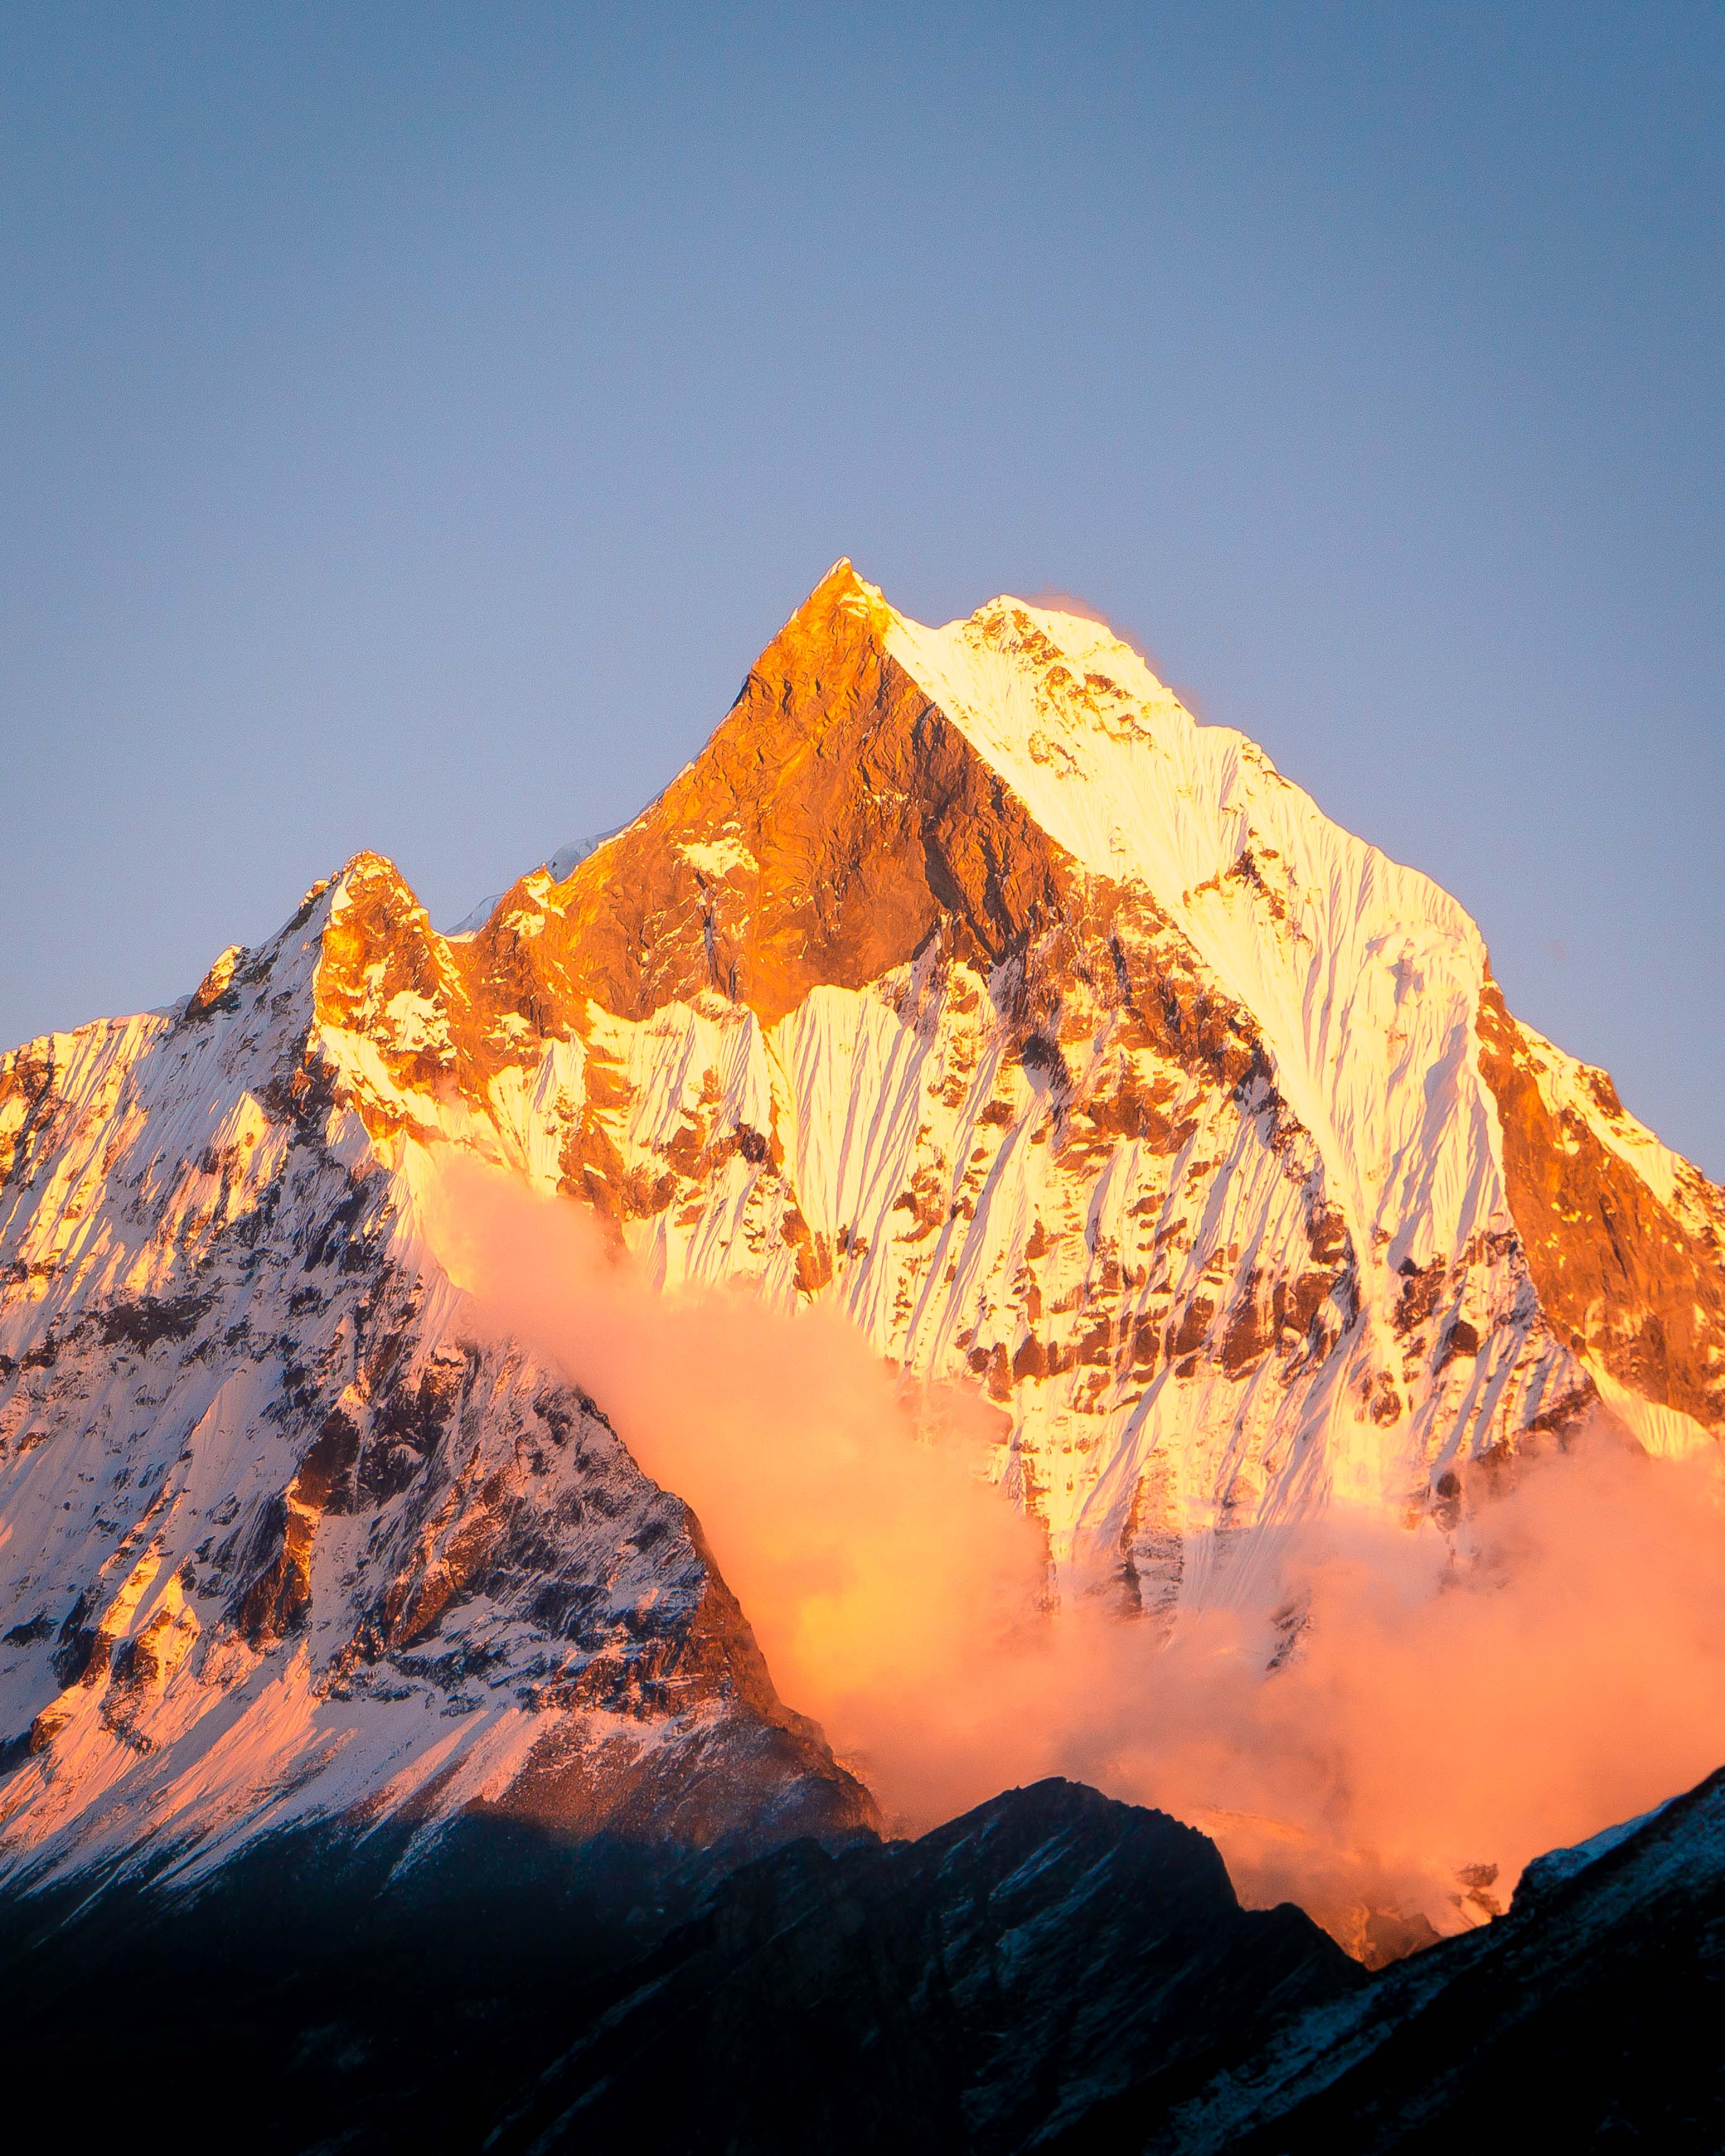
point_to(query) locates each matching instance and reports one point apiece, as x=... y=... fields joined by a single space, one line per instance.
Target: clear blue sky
x=413 y=420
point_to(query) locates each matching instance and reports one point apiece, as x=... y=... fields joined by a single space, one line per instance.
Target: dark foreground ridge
x=964 y=1991
x=1054 y=1972
x=1589 y=2016
x=976 y=1990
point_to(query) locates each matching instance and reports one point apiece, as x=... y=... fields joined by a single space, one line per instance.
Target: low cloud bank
x=1447 y=1711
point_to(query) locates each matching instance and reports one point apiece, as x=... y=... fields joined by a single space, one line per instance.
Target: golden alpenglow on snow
x=964 y=986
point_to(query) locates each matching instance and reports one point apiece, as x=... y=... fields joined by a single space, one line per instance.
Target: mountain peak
x=985 y=790
x=841 y=597
x=962 y=983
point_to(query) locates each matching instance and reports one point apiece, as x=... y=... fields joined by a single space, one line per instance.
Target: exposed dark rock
x=277 y=1594
x=1587 y=2017
x=77 y=1643
x=512 y=1989
x=142 y=1323
x=970 y=1991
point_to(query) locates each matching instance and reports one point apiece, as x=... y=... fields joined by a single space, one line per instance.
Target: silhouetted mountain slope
x=1053 y=1972
x=1589 y=2016
x=971 y=1991
x=320 y=1989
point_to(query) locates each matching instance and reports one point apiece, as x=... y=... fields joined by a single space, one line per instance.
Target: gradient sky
x=413 y=420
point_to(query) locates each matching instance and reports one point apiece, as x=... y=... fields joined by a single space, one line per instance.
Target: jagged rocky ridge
x=978 y=1989
x=1586 y=2017
x=982 y=1989
x=962 y=979
x=256 y=1466
x=1053 y=1972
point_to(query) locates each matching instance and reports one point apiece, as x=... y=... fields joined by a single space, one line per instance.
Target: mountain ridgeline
x=963 y=983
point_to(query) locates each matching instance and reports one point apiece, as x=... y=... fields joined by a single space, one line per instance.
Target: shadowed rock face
x=974 y=1990
x=968 y=1992
x=1053 y=1972
x=1586 y=2017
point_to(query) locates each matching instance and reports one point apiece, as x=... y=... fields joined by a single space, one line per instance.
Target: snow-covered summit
x=1364 y=975
x=964 y=982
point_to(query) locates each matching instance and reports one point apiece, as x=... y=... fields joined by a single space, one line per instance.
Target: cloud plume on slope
x=1448 y=1710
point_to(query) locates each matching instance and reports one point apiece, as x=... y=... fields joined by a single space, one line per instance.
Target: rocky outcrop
x=1584 y=2018
x=833 y=823
x=1052 y=1972
x=1628 y=1253
x=976 y=1990
x=1055 y=1973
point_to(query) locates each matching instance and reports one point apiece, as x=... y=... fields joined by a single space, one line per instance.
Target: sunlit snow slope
x=281 y=1542
x=964 y=980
